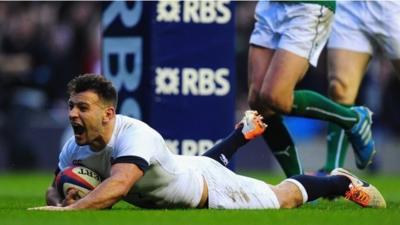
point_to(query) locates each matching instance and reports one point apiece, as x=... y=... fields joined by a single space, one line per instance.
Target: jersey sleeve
x=137 y=146
x=65 y=157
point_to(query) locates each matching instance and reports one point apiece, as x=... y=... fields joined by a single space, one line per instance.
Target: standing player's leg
x=266 y=65
x=286 y=65
x=277 y=93
x=356 y=121
x=345 y=72
x=278 y=138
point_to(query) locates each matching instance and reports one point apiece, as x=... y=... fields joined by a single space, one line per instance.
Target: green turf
x=19 y=191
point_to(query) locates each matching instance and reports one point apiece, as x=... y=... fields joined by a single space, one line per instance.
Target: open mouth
x=78 y=129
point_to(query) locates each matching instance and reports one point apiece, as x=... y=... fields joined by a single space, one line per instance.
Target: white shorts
x=361 y=26
x=300 y=28
x=227 y=190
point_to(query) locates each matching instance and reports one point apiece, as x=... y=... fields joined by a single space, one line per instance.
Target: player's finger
x=72 y=196
x=72 y=193
x=45 y=208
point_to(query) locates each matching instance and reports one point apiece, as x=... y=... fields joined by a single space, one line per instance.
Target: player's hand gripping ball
x=79 y=178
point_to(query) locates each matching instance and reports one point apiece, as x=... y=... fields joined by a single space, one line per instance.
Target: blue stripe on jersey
x=138 y=161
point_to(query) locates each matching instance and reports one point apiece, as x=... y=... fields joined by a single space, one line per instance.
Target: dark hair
x=97 y=83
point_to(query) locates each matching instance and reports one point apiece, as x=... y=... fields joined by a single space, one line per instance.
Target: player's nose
x=73 y=113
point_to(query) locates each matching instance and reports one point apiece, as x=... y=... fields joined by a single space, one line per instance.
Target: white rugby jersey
x=168 y=181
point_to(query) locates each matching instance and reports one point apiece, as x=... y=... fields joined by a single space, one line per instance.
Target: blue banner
x=173 y=65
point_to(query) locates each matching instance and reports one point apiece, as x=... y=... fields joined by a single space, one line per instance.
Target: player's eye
x=83 y=108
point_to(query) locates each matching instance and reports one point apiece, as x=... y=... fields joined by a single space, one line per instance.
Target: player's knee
x=338 y=91
x=287 y=203
x=277 y=101
x=269 y=102
x=286 y=198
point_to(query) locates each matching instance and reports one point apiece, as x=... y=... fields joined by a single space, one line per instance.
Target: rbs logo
x=190 y=147
x=194 y=11
x=190 y=81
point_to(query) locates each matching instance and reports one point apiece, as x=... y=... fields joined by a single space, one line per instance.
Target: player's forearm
x=105 y=195
x=123 y=177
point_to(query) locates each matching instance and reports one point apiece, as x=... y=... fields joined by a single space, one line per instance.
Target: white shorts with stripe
x=301 y=28
x=227 y=190
x=362 y=26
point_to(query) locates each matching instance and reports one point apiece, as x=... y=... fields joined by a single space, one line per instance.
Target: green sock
x=313 y=105
x=337 y=143
x=282 y=146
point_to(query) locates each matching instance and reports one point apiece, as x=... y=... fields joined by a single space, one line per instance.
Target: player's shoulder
x=134 y=135
x=125 y=122
x=70 y=144
x=128 y=125
x=70 y=147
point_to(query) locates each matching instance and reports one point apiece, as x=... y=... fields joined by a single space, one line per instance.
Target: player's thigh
x=259 y=61
x=284 y=72
x=233 y=191
x=228 y=190
x=345 y=72
x=258 y=64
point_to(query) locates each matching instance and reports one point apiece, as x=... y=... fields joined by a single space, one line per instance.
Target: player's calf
x=340 y=183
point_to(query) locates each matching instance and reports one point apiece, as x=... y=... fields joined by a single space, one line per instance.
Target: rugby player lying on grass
x=139 y=169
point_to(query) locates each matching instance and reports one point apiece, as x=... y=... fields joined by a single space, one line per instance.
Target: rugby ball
x=78 y=177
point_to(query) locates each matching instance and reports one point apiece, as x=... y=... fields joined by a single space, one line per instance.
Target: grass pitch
x=19 y=191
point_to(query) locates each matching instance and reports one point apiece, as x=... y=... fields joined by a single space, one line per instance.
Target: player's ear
x=109 y=114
